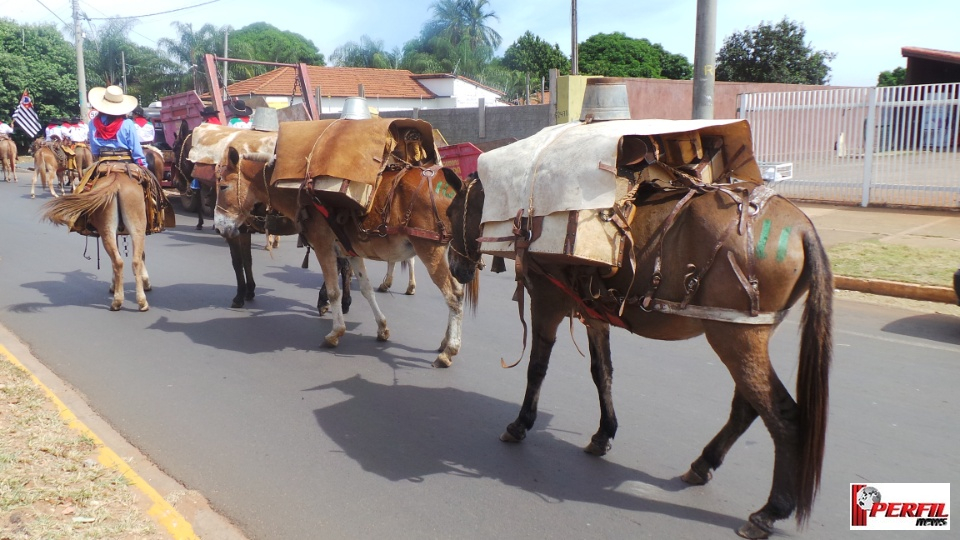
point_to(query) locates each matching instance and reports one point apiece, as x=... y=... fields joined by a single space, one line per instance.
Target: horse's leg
x=547 y=310
x=744 y=350
x=319 y=236
x=138 y=261
x=246 y=253
x=434 y=257
x=387 y=278
x=346 y=273
x=742 y=415
x=412 y=281
x=106 y=223
x=601 y=369
x=33 y=184
x=237 y=260
x=200 y=217
x=360 y=269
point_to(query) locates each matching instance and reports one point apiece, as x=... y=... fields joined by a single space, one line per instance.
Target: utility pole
x=704 y=58
x=574 y=69
x=81 y=71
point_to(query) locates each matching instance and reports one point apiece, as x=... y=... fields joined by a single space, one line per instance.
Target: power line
x=55 y=13
x=151 y=14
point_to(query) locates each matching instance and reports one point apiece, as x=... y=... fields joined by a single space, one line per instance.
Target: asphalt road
x=291 y=441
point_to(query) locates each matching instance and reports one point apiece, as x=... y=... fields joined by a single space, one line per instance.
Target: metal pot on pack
x=605 y=99
x=355 y=108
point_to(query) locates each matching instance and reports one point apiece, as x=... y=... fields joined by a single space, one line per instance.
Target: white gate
x=870 y=146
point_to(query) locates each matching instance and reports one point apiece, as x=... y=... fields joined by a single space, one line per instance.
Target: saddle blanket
x=567 y=177
x=210 y=141
x=573 y=166
x=343 y=160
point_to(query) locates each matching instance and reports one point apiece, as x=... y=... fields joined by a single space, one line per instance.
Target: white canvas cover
x=569 y=166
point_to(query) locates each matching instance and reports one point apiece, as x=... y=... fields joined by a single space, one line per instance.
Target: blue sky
x=865 y=35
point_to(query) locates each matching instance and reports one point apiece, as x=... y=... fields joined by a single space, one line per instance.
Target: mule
x=8 y=159
x=244 y=183
x=46 y=168
x=115 y=205
x=667 y=298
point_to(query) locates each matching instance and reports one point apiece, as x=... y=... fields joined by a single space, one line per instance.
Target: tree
x=367 y=53
x=616 y=55
x=772 y=53
x=189 y=48
x=530 y=54
x=897 y=77
x=456 y=39
x=38 y=59
x=268 y=43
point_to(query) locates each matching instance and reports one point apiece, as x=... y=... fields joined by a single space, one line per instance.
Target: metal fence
x=870 y=146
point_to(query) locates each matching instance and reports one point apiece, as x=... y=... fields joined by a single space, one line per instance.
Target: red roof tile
x=335 y=81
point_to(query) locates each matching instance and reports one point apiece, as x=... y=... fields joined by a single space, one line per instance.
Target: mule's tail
x=816 y=347
x=67 y=209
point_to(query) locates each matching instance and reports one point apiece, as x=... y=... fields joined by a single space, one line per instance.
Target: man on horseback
x=145 y=128
x=111 y=133
x=5 y=130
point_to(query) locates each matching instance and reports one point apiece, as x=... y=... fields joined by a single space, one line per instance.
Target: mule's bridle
x=476 y=261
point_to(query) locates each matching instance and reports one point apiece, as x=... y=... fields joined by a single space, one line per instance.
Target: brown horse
x=244 y=183
x=667 y=298
x=115 y=205
x=46 y=167
x=8 y=159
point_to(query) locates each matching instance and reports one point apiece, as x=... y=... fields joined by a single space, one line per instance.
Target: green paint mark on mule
x=762 y=243
x=782 y=246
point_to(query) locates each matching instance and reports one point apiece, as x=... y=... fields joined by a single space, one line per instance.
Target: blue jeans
x=194 y=184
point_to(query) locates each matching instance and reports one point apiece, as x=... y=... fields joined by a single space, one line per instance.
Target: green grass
x=873 y=260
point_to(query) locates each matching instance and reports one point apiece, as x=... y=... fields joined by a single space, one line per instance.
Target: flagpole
x=81 y=71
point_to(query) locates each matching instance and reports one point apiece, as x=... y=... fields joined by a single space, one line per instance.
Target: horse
x=47 y=166
x=115 y=205
x=8 y=158
x=673 y=233
x=244 y=183
x=182 y=172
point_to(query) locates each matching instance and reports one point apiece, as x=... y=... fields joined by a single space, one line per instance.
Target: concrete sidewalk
x=914 y=228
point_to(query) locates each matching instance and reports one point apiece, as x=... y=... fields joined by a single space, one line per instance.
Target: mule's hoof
x=442 y=362
x=694 y=478
x=144 y=307
x=410 y=291
x=114 y=307
x=236 y=304
x=752 y=531
x=383 y=335
x=331 y=341
x=506 y=436
x=383 y=288
x=596 y=450
x=33 y=196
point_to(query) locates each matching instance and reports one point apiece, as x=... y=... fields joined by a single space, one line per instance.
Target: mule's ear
x=452 y=179
x=233 y=156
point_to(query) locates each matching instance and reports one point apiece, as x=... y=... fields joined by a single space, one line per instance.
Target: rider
x=144 y=126
x=239 y=114
x=5 y=130
x=53 y=131
x=210 y=116
x=110 y=131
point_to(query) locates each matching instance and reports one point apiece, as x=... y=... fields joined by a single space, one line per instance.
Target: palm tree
x=463 y=20
x=190 y=46
x=367 y=53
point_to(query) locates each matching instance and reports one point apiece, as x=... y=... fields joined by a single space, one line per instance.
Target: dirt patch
x=51 y=484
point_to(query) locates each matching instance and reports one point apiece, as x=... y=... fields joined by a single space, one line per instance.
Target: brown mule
x=46 y=168
x=115 y=205
x=243 y=184
x=8 y=159
x=719 y=306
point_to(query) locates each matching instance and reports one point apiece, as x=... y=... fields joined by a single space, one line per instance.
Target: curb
x=911 y=291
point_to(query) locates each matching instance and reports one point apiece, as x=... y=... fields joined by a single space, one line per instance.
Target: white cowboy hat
x=111 y=100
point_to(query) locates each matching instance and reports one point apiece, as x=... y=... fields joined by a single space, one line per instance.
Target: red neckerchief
x=141 y=121
x=211 y=120
x=109 y=131
x=244 y=118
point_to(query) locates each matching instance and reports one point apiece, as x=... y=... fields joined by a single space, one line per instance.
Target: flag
x=26 y=117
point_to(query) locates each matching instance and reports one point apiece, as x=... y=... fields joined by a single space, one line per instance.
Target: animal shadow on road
x=462 y=440
x=929 y=326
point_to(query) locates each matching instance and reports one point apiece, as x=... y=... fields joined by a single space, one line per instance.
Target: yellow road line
x=161 y=510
